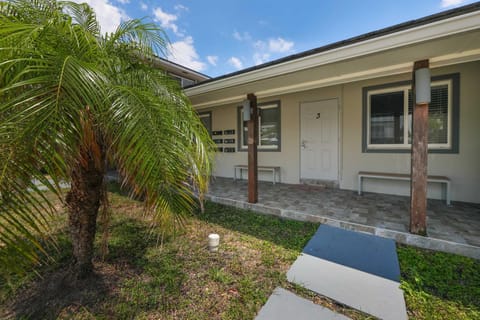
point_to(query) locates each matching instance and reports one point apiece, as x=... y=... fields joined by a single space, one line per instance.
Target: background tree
x=73 y=100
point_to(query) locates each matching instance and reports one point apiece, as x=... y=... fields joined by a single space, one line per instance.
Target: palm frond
x=82 y=15
x=161 y=146
x=137 y=39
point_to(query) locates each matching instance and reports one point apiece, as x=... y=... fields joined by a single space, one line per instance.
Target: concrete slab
x=360 y=290
x=360 y=251
x=285 y=305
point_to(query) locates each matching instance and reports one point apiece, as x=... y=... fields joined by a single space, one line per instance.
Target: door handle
x=304 y=144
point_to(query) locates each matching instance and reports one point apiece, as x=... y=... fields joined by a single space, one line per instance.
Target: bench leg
x=359 y=185
x=447 y=196
x=274 y=175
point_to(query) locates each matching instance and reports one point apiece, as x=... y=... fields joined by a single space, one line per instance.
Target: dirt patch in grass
x=58 y=294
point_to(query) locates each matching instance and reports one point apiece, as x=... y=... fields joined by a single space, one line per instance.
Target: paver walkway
x=355 y=269
x=450 y=228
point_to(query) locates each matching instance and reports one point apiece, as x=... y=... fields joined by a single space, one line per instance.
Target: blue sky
x=216 y=37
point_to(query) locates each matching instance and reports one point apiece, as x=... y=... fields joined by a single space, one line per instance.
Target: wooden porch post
x=252 y=150
x=418 y=188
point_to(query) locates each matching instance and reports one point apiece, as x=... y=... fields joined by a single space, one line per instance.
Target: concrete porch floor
x=454 y=228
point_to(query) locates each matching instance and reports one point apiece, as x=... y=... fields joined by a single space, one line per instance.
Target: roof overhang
x=444 y=42
x=180 y=70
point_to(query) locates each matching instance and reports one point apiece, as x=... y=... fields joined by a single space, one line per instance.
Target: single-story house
x=331 y=112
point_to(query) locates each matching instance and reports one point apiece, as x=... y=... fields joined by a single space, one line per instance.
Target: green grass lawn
x=141 y=278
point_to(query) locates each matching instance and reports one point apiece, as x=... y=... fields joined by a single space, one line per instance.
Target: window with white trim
x=388 y=116
x=268 y=127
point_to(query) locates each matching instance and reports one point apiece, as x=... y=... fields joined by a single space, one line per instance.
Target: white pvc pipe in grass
x=213 y=242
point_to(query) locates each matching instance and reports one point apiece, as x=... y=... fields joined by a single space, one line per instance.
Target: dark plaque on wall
x=217 y=133
x=219 y=149
x=231 y=131
x=217 y=141
x=228 y=149
x=230 y=141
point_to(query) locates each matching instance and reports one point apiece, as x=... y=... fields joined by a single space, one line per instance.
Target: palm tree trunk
x=83 y=201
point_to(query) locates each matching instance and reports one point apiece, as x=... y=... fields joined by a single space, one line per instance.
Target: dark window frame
x=209 y=113
x=455 y=116
x=241 y=147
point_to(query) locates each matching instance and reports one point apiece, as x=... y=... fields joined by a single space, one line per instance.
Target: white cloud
x=108 y=15
x=124 y=1
x=259 y=58
x=280 y=45
x=167 y=20
x=236 y=63
x=180 y=7
x=143 y=6
x=183 y=52
x=245 y=36
x=451 y=3
x=264 y=50
x=212 y=60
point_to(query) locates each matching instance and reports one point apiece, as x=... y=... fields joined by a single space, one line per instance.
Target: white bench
x=274 y=170
x=402 y=176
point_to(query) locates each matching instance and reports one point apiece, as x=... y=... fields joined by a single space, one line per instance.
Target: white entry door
x=319 y=140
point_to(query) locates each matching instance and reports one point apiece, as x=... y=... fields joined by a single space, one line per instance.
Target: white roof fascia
x=436 y=62
x=181 y=71
x=434 y=30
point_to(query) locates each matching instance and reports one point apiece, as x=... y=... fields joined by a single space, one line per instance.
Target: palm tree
x=73 y=101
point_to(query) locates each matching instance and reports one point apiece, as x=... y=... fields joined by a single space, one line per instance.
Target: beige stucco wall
x=225 y=117
x=462 y=168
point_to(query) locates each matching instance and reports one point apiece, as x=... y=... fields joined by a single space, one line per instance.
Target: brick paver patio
x=456 y=227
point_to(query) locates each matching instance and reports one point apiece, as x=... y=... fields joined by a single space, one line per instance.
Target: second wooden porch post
x=418 y=189
x=252 y=150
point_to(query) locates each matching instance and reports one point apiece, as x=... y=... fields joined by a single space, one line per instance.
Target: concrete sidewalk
x=357 y=270
x=285 y=305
